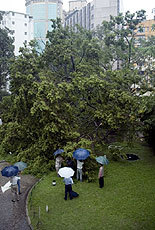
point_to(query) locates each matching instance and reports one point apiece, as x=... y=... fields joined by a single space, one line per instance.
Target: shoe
x=13 y=200
x=17 y=199
x=65 y=199
x=20 y=193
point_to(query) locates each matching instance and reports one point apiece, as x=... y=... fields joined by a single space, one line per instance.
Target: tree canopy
x=6 y=53
x=70 y=96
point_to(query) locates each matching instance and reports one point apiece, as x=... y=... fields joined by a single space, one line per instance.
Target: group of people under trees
x=78 y=168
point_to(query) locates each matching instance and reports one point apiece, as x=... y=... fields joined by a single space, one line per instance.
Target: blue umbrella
x=21 y=165
x=81 y=154
x=10 y=171
x=102 y=160
x=59 y=151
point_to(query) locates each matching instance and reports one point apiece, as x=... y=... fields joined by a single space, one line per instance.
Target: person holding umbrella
x=12 y=171
x=14 y=188
x=80 y=155
x=21 y=166
x=79 y=170
x=67 y=173
x=101 y=160
x=68 y=187
x=58 y=160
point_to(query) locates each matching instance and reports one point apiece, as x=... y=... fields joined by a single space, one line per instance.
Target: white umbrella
x=66 y=172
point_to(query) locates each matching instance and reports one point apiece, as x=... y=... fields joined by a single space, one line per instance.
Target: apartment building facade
x=21 y=26
x=76 y=4
x=93 y=14
x=147 y=29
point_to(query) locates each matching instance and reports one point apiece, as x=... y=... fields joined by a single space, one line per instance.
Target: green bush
x=116 y=152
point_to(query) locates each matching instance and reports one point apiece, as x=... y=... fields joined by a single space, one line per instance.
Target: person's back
x=68 y=187
x=70 y=163
x=68 y=181
x=14 y=188
x=14 y=180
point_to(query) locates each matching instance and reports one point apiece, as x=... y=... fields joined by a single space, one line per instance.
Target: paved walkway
x=13 y=215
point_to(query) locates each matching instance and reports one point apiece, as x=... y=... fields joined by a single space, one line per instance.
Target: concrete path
x=13 y=215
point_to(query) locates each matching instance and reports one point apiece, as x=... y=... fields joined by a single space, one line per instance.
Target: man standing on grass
x=79 y=169
x=68 y=187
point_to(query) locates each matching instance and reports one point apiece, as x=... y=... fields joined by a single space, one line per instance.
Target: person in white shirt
x=14 y=188
x=79 y=169
x=58 y=162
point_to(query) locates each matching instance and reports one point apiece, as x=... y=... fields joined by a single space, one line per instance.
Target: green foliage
x=118 y=36
x=145 y=63
x=90 y=168
x=6 y=53
x=116 y=152
x=68 y=51
x=148 y=118
x=64 y=98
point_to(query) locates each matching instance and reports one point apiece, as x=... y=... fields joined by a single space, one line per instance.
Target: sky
x=131 y=5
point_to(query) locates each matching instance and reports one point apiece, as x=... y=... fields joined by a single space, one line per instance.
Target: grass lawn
x=127 y=202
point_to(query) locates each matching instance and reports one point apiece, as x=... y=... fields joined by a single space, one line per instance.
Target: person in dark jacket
x=70 y=163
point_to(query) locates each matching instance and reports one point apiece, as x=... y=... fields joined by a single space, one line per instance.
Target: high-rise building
x=21 y=26
x=42 y=12
x=93 y=14
x=76 y=4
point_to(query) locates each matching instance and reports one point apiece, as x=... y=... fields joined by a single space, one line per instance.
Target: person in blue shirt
x=68 y=187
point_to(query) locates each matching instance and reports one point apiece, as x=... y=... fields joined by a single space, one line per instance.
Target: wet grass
x=125 y=203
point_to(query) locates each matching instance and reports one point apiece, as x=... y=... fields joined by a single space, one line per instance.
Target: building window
x=13 y=14
x=92 y=8
x=25 y=16
x=25 y=24
x=25 y=33
x=13 y=22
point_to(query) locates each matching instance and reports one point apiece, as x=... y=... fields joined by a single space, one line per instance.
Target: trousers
x=101 y=182
x=79 y=174
x=68 y=189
